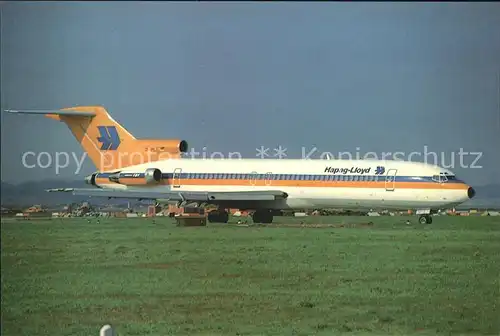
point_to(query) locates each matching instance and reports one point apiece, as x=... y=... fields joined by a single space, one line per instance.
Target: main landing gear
x=218 y=216
x=222 y=216
x=425 y=219
x=263 y=216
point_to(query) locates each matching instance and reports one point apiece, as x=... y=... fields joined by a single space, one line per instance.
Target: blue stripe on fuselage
x=287 y=177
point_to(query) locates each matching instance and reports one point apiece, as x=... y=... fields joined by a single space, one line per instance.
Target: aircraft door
x=253 y=178
x=268 y=179
x=390 y=180
x=176 y=179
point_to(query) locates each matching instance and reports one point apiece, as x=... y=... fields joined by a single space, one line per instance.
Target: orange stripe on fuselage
x=292 y=183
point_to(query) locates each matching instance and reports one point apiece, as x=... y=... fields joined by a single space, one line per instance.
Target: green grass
x=69 y=277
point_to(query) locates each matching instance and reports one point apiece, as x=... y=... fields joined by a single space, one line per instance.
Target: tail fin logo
x=108 y=137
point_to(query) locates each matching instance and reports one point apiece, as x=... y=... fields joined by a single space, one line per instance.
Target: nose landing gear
x=425 y=219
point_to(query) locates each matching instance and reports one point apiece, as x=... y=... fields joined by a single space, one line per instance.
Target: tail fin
x=108 y=144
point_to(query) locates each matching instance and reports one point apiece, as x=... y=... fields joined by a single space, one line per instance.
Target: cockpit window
x=442 y=177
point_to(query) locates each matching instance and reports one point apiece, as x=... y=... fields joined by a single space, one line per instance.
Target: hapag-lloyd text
x=352 y=170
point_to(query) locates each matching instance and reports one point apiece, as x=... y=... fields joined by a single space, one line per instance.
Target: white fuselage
x=310 y=184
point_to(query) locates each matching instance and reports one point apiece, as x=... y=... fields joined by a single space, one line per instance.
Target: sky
x=232 y=77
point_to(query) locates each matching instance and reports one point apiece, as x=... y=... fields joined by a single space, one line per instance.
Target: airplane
x=265 y=186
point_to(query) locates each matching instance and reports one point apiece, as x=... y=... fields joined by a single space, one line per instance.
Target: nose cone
x=471 y=192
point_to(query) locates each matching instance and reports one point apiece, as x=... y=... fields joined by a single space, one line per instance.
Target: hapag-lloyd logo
x=352 y=170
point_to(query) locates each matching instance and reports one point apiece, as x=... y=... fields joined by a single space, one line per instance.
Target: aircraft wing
x=187 y=196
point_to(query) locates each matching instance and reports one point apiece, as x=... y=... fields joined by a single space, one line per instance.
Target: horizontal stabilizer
x=267 y=195
x=54 y=112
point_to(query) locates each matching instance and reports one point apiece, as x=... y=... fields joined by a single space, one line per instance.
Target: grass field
x=69 y=277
